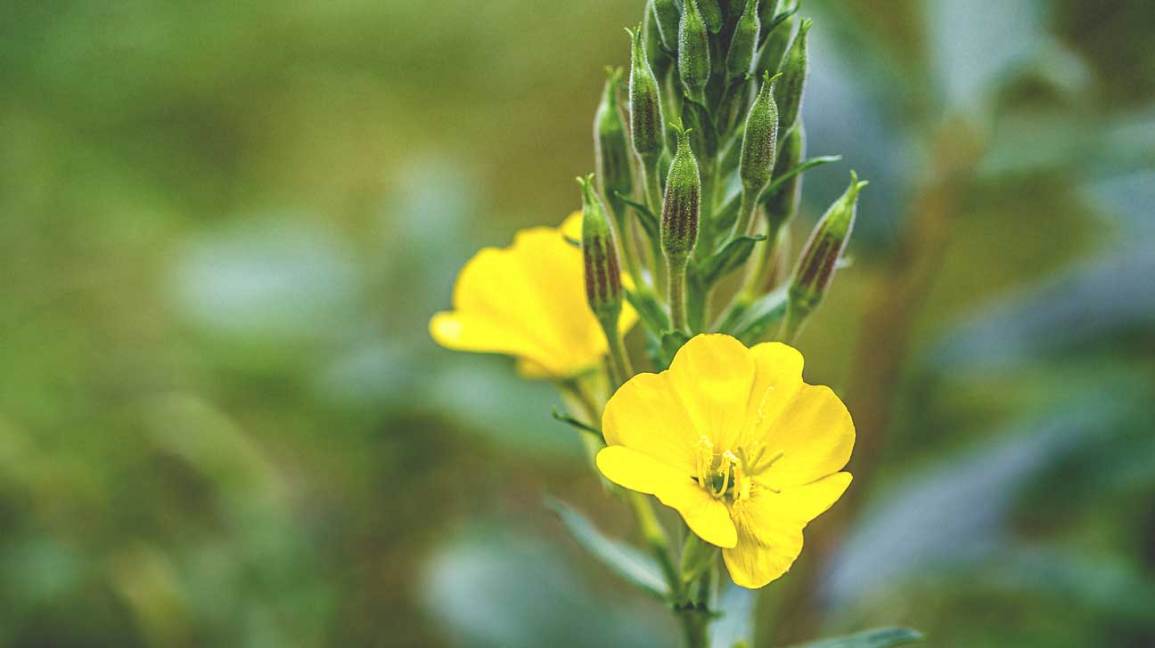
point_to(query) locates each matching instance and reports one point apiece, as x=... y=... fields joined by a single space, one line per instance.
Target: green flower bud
x=781 y=204
x=788 y=94
x=777 y=42
x=646 y=124
x=759 y=141
x=827 y=242
x=667 y=15
x=603 y=276
x=693 y=52
x=743 y=42
x=680 y=207
x=711 y=14
x=611 y=150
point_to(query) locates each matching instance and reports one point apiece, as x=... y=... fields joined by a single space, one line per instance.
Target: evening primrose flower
x=528 y=301
x=732 y=439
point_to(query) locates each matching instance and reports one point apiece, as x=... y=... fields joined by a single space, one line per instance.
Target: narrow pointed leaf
x=729 y=258
x=878 y=638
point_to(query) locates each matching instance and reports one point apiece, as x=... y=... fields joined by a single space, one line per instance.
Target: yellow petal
x=646 y=415
x=713 y=375
x=812 y=438
x=706 y=516
x=571 y=227
x=770 y=529
x=777 y=380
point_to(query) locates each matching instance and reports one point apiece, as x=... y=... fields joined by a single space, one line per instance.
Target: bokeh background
x=224 y=226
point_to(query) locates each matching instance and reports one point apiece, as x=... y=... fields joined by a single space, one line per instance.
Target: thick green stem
x=619 y=360
x=676 y=285
x=745 y=213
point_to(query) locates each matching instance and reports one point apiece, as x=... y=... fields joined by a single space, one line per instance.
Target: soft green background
x=224 y=225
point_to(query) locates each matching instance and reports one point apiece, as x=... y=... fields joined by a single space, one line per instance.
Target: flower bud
x=679 y=227
x=693 y=52
x=768 y=11
x=777 y=42
x=666 y=17
x=827 y=242
x=759 y=141
x=646 y=124
x=603 y=275
x=743 y=42
x=788 y=93
x=711 y=15
x=611 y=150
x=781 y=204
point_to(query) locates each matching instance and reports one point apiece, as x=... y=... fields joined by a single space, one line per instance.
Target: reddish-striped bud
x=603 y=275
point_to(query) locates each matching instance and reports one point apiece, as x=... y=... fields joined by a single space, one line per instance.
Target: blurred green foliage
x=224 y=225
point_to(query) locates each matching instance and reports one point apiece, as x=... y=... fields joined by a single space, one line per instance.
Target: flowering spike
x=743 y=42
x=603 y=276
x=611 y=150
x=788 y=94
x=680 y=208
x=667 y=15
x=646 y=123
x=816 y=266
x=693 y=52
x=760 y=141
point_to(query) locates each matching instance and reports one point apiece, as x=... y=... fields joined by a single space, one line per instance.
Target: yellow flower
x=528 y=301
x=733 y=440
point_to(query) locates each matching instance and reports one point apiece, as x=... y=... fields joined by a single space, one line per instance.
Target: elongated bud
x=781 y=204
x=827 y=242
x=774 y=49
x=693 y=52
x=768 y=11
x=603 y=275
x=680 y=208
x=760 y=141
x=743 y=43
x=711 y=15
x=666 y=17
x=611 y=150
x=788 y=93
x=646 y=125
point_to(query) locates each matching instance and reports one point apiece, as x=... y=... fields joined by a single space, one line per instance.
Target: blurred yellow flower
x=528 y=301
x=733 y=440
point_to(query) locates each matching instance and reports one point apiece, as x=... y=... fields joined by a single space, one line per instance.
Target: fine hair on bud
x=693 y=52
x=824 y=248
x=744 y=42
x=646 y=124
x=681 y=204
x=788 y=92
x=711 y=15
x=667 y=15
x=603 y=277
x=774 y=47
x=760 y=140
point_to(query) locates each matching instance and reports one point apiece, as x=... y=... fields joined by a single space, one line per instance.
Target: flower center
x=729 y=475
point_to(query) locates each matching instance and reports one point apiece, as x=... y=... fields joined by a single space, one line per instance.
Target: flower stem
x=676 y=286
x=619 y=361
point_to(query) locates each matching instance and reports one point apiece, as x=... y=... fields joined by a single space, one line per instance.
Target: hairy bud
x=667 y=15
x=827 y=242
x=611 y=150
x=603 y=275
x=646 y=124
x=680 y=207
x=693 y=52
x=774 y=48
x=743 y=43
x=788 y=93
x=759 y=141
x=711 y=15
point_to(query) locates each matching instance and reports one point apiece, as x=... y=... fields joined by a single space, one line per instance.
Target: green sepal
x=878 y=638
x=625 y=561
x=728 y=259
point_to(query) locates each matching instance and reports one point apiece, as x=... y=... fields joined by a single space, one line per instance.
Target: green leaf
x=731 y=257
x=646 y=217
x=652 y=313
x=878 y=638
x=622 y=559
x=763 y=314
x=801 y=168
x=576 y=424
